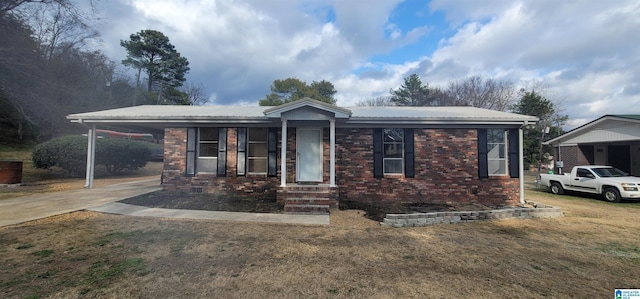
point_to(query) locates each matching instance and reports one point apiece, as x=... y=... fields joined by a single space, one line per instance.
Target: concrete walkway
x=131 y=210
x=104 y=199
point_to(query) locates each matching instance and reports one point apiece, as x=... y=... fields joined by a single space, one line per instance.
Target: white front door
x=309 y=155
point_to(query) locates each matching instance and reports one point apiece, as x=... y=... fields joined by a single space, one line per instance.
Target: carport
x=124 y=119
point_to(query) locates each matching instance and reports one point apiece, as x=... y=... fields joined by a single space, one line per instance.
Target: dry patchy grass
x=587 y=254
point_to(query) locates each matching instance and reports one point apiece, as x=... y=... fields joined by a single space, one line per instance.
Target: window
x=207 y=150
x=257 y=150
x=393 y=152
x=497 y=151
x=393 y=156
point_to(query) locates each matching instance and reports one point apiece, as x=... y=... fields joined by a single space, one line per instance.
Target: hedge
x=70 y=154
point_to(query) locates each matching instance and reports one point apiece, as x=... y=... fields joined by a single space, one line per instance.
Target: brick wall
x=174 y=178
x=446 y=171
x=569 y=156
x=446 y=164
x=574 y=156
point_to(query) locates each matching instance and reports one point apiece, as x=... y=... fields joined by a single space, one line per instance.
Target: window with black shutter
x=393 y=152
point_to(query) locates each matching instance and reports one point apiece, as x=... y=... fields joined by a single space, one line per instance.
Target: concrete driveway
x=27 y=208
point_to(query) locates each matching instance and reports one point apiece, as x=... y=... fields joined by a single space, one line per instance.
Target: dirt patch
x=223 y=201
x=207 y=202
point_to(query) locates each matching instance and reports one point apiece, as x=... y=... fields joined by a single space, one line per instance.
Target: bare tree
x=482 y=93
x=10 y=6
x=196 y=93
x=379 y=101
x=56 y=25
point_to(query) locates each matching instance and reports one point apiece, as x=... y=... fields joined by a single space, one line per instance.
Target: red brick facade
x=573 y=156
x=446 y=169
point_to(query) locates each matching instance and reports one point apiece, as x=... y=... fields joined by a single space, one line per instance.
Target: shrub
x=120 y=154
x=70 y=154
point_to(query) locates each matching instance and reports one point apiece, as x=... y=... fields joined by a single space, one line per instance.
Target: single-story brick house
x=312 y=155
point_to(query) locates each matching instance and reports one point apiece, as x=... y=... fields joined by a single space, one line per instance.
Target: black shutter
x=409 y=169
x=242 y=151
x=272 y=148
x=377 y=153
x=483 y=167
x=192 y=141
x=514 y=157
x=222 y=152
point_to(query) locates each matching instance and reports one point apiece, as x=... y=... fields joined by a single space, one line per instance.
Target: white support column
x=521 y=164
x=283 y=155
x=332 y=151
x=91 y=156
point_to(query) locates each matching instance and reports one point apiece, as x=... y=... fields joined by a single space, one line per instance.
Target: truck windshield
x=609 y=172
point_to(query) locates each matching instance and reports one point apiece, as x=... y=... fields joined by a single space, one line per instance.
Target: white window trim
x=205 y=158
x=506 y=155
x=384 y=160
x=265 y=158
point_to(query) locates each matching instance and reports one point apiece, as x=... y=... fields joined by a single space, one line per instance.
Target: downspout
x=521 y=160
x=560 y=163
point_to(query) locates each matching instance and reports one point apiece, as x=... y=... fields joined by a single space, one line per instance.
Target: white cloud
x=584 y=51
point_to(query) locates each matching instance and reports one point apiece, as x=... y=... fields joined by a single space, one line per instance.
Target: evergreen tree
x=534 y=104
x=293 y=89
x=411 y=93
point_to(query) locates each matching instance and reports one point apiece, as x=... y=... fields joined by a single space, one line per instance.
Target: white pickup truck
x=613 y=184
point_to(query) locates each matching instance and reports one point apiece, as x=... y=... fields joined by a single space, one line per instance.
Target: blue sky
x=584 y=53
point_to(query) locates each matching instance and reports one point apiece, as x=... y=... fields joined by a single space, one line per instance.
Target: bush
x=120 y=154
x=70 y=154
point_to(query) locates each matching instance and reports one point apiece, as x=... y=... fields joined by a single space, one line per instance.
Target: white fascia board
x=484 y=123
x=157 y=121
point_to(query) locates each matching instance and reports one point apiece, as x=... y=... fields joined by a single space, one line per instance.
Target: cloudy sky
x=586 y=53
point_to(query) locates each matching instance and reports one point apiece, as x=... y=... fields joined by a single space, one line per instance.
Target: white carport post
x=332 y=159
x=91 y=156
x=283 y=155
x=521 y=163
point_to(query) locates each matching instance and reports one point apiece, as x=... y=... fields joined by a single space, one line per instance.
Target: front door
x=309 y=155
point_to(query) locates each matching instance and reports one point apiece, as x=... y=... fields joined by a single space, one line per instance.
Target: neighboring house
x=331 y=153
x=609 y=140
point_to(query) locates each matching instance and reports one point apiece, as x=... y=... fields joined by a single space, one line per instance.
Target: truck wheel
x=611 y=195
x=556 y=188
